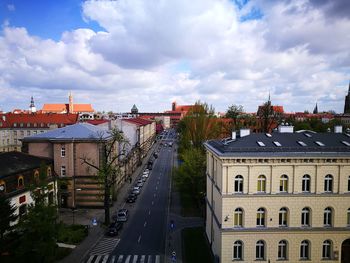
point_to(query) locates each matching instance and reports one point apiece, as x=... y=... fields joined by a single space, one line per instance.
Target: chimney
x=338 y=129
x=244 y=132
x=285 y=128
x=233 y=136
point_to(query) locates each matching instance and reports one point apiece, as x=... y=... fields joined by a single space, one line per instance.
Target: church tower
x=315 y=109
x=347 y=102
x=32 y=107
x=71 y=105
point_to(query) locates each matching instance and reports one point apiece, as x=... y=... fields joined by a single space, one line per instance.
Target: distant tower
x=173 y=106
x=71 y=105
x=32 y=106
x=134 y=110
x=315 y=109
x=347 y=102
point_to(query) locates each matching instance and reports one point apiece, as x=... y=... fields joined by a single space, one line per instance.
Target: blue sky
x=114 y=54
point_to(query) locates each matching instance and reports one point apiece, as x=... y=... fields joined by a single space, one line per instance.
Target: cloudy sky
x=117 y=53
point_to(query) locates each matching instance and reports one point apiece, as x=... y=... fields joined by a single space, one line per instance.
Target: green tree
x=39 y=225
x=234 y=112
x=7 y=216
x=109 y=167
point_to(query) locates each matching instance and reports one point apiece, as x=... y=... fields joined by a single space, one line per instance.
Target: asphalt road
x=143 y=236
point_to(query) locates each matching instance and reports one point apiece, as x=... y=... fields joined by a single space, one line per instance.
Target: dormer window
x=20 y=182
x=261 y=144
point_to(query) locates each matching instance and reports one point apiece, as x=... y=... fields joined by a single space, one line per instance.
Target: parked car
x=150 y=164
x=131 y=198
x=139 y=184
x=135 y=190
x=155 y=155
x=145 y=175
x=143 y=178
x=114 y=228
x=122 y=215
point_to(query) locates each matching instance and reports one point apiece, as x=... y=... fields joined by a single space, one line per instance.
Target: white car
x=145 y=175
x=136 y=190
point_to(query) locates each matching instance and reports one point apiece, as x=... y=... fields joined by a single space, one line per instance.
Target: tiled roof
x=16 y=162
x=36 y=120
x=139 y=121
x=79 y=131
x=82 y=108
x=64 y=108
x=284 y=144
x=97 y=122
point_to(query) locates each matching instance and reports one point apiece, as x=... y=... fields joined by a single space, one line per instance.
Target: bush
x=71 y=234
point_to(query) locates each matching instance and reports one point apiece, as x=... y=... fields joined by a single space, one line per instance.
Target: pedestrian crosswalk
x=104 y=247
x=124 y=259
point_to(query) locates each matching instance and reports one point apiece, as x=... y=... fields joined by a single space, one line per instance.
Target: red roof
x=97 y=122
x=36 y=120
x=62 y=108
x=139 y=121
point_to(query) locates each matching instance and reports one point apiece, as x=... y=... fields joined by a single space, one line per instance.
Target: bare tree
x=110 y=164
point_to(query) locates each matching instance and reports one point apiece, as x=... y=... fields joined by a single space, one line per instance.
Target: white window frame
x=238 y=216
x=305 y=217
x=282 y=250
x=283 y=217
x=306 y=184
x=327 y=217
x=261 y=217
x=261 y=184
x=327 y=249
x=237 y=250
x=63 y=150
x=238 y=184
x=260 y=250
x=328 y=183
x=63 y=171
x=305 y=250
x=283 y=183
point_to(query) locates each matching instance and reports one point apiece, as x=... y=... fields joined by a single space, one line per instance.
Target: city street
x=143 y=236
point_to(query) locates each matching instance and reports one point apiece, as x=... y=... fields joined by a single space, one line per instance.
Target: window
x=28 y=133
x=327 y=249
x=238 y=217
x=327 y=217
x=348 y=217
x=283 y=217
x=239 y=184
x=328 y=183
x=284 y=184
x=238 y=250
x=282 y=249
x=63 y=170
x=305 y=187
x=2 y=187
x=305 y=250
x=305 y=216
x=260 y=217
x=49 y=172
x=20 y=182
x=261 y=184
x=349 y=184
x=63 y=150
x=260 y=250
x=36 y=176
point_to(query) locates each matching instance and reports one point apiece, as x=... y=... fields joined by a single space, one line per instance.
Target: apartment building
x=68 y=147
x=283 y=196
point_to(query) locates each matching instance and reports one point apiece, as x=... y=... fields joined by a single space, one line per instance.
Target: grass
x=71 y=234
x=195 y=246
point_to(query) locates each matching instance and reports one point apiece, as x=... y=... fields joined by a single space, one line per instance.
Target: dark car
x=131 y=198
x=149 y=165
x=155 y=155
x=114 y=228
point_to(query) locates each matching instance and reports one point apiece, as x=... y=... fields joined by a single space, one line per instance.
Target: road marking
x=98 y=258
x=105 y=259
x=156 y=187
x=90 y=259
x=142 y=259
x=149 y=212
x=120 y=259
x=127 y=259
x=113 y=259
x=157 y=182
x=138 y=241
x=154 y=195
x=157 y=259
x=145 y=224
x=149 y=258
x=152 y=203
x=135 y=258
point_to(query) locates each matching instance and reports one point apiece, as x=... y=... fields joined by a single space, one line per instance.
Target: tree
x=7 y=216
x=268 y=116
x=109 y=166
x=39 y=226
x=234 y=112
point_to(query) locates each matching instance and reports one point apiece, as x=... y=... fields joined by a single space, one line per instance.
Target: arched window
x=305 y=250
x=49 y=172
x=261 y=184
x=348 y=217
x=20 y=182
x=260 y=250
x=327 y=249
x=327 y=217
x=305 y=186
x=328 y=183
x=284 y=183
x=238 y=250
x=305 y=216
x=238 y=217
x=260 y=217
x=282 y=249
x=2 y=186
x=283 y=217
x=239 y=184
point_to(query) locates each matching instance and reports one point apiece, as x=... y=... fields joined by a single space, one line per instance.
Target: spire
x=269 y=97
x=32 y=106
x=315 y=109
x=349 y=88
x=71 y=105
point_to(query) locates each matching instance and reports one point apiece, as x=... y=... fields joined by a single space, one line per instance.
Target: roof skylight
x=346 y=143
x=277 y=144
x=261 y=144
x=319 y=143
x=268 y=135
x=302 y=143
x=307 y=135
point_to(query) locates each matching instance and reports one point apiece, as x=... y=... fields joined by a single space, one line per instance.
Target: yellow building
x=277 y=197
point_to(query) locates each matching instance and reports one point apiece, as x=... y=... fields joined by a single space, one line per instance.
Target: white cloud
x=153 y=52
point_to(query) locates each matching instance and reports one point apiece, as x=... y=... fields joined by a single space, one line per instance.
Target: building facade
x=279 y=197
x=68 y=147
x=18 y=173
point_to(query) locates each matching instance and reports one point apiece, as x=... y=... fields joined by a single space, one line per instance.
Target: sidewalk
x=173 y=236
x=85 y=216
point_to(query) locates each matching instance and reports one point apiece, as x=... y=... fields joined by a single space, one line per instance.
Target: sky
x=117 y=53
